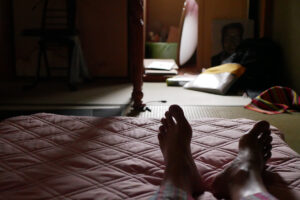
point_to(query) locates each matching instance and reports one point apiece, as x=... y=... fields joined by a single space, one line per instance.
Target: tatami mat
x=154 y=92
x=97 y=93
x=57 y=93
x=287 y=123
x=98 y=97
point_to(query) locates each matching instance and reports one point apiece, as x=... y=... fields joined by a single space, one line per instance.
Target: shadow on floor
x=75 y=112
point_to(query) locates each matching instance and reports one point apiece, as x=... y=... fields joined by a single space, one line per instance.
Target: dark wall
x=102 y=31
x=286 y=32
x=163 y=14
x=6 y=55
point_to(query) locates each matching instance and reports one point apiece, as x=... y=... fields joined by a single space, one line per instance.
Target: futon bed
x=48 y=156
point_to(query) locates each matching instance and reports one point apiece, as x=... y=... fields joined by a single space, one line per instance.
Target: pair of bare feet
x=243 y=176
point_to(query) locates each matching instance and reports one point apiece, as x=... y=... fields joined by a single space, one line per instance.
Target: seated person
x=241 y=180
x=232 y=35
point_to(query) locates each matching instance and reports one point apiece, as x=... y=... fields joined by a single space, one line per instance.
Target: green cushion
x=161 y=50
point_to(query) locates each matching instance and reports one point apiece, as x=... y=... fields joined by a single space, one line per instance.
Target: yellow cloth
x=232 y=68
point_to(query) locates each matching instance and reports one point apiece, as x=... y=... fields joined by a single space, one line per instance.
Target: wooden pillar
x=265 y=18
x=136 y=50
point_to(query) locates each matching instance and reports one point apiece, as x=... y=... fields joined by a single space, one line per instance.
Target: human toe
x=169 y=119
x=164 y=122
x=265 y=140
x=259 y=127
x=177 y=112
x=162 y=129
x=267 y=156
x=162 y=132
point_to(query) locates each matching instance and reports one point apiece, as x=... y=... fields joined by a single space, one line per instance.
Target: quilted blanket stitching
x=68 y=172
x=284 y=152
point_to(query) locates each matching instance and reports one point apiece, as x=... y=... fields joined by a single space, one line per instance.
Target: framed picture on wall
x=227 y=35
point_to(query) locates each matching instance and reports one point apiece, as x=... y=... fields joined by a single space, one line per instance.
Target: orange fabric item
x=275 y=100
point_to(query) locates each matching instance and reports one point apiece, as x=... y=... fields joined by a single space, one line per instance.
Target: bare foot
x=243 y=177
x=175 y=136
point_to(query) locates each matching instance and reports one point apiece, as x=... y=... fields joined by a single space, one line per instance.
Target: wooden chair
x=57 y=30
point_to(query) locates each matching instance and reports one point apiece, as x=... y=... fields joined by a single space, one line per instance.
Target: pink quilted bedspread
x=46 y=156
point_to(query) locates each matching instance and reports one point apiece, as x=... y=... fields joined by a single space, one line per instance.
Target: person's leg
x=181 y=178
x=243 y=178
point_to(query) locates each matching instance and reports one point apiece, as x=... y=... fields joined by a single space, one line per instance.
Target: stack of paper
x=180 y=80
x=160 y=66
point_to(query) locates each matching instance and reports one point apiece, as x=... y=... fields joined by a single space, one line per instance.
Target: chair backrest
x=59 y=15
x=188 y=34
